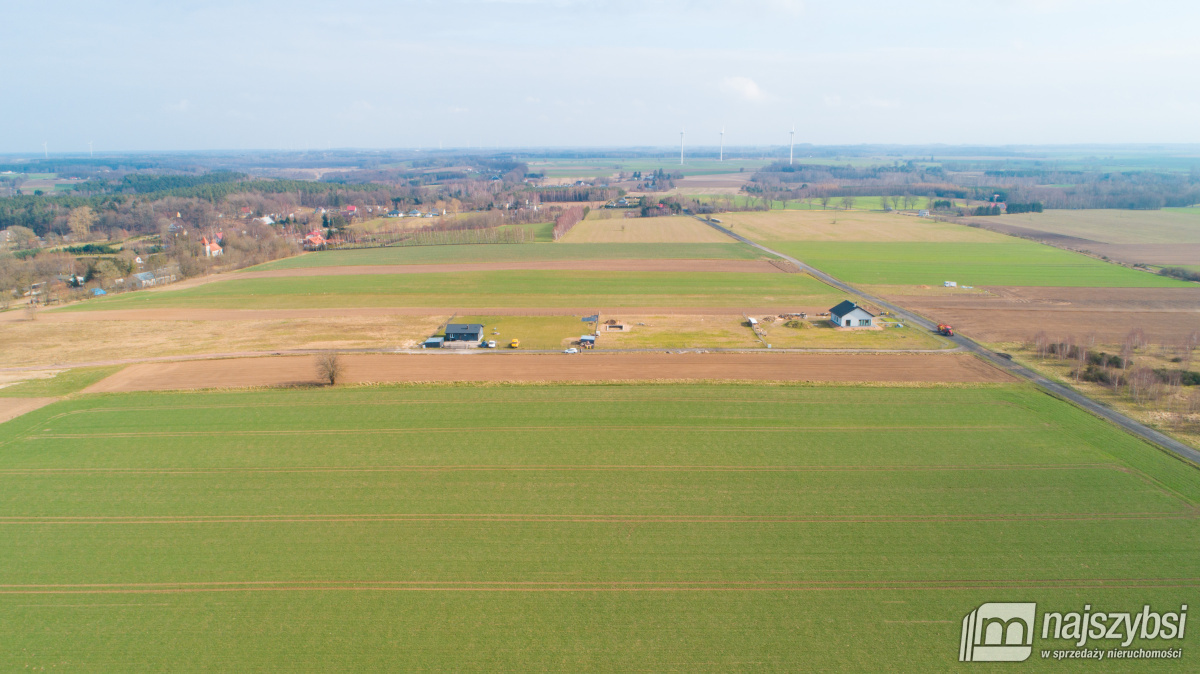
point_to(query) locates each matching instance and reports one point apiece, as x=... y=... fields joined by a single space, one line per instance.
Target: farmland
x=868 y=203
x=491 y=289
x=1010 y=263
x=770 y=226
x=117 y=337
x=663 y=230
x=515 y=253
x=541 y=527
x=1166 y=226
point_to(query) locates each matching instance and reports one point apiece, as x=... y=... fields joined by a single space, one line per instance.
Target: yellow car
x=514 y=344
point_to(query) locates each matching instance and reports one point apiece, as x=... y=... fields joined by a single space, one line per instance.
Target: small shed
x=464 y=332
x=433 y=343
x=850 y=315
x=588 y=341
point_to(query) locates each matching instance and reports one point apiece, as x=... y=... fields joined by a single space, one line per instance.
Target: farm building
x=433 y=343
x=850 y=315
x=464 y=332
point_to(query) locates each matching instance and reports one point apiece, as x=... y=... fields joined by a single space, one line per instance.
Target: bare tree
x=329 y=367
x=1042 y=341
x=30 y=310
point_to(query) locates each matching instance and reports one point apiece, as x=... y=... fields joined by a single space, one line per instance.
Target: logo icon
x=998 y=632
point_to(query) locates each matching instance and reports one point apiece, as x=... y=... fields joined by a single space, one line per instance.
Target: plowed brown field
x=11 y=408
x=297 y=370
x=741 y=266
x=1009 y=314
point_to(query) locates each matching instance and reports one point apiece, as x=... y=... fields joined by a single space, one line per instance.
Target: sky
x=295 y=74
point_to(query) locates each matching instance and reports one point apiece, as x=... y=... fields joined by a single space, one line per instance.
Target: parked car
x=571 y=350
x=491 y=344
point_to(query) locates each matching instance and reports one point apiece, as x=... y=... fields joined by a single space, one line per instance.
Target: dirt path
x=11 y=408
x=479 y=366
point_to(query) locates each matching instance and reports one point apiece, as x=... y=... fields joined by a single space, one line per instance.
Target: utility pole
x=792 y=145
x=722 y=144
x=681 y=147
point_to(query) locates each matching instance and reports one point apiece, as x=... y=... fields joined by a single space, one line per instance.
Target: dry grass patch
x=838 y=225
x=678 y=332
x=676 y=229
x=50 y=343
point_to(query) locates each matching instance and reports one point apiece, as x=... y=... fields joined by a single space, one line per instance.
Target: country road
x=1152 y=436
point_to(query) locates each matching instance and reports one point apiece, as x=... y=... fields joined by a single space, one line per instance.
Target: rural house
x=850 y=315
x=211 y=248
x=464 y=332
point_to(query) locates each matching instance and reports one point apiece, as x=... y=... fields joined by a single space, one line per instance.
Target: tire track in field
x=595 y=586
x=1187 y=514
x=556 y=467
x=225 y=432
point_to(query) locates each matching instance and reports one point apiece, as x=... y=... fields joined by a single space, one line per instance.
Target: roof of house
x=464 y=327
x=144 y=276
x=846 y=307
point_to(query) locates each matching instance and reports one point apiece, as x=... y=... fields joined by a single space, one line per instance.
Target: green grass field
x=1019 y=263
x=517 y=253
x=572 y=528
x=543 y=232
x=491 y=289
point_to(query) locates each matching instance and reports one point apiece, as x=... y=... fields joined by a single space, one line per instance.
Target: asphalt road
x=1148 y=434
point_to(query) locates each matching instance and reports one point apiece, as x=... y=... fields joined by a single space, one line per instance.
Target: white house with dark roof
x=850 y=315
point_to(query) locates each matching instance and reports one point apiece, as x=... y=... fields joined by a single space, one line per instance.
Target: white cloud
x=743 y=87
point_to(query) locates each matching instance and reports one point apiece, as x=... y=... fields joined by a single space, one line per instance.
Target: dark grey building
x=464 y=332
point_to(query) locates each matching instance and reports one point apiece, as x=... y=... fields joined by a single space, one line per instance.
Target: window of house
x=864 y=321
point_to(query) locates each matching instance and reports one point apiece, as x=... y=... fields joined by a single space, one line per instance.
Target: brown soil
x=741 y=266
x=1149 y=253
x=1010 y=314
x=300 y=370
x=11 y=408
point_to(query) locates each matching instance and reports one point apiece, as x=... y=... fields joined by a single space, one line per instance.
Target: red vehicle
x=946 y=330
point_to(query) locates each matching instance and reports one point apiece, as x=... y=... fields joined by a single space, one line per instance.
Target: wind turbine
x=792 y=144
x=681 y=147
x=722 y=144
x=45 y=151
x=90 y=148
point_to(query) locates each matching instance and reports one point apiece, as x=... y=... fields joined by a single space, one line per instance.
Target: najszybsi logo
x=998 y=632
x=1003 y=632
